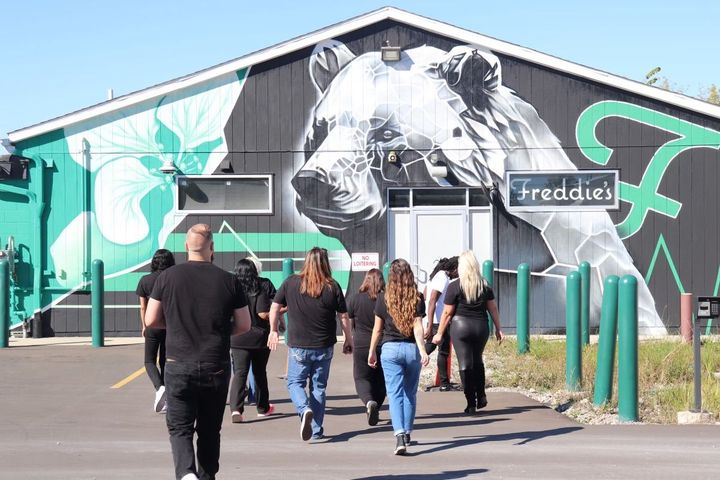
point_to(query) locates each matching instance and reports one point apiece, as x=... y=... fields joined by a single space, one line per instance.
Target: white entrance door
x=438 y=234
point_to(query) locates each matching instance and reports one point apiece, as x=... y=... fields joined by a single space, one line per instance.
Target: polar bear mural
x=451 y=107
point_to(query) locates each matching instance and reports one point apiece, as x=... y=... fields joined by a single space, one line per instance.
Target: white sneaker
x=160 y=397
x=306 y=425
x=189 y=476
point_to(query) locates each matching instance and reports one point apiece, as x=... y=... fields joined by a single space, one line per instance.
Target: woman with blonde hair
x=313 y=299
x=369 y=382
x=398 y=321
x=468 y=302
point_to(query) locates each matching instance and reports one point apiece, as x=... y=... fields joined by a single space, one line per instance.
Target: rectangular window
x=242 y=194
x=399 y=198
x=436 y=197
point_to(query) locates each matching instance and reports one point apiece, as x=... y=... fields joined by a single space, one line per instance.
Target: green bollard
x=98 y=303
x=573 y=347
x=488 y=269
x=288 y=268
x=584 y=270
x=4 y=304
x=628 y=350
x=523 y=308
x=386 y=271
x=606 y=343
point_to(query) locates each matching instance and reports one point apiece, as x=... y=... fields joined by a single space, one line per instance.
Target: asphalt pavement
x=60 y=418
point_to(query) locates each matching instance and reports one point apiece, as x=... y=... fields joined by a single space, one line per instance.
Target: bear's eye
x=384 y=135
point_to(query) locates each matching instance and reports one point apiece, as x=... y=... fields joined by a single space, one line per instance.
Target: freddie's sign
x=546 y=191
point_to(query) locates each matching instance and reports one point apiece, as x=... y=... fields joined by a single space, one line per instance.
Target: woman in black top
x=398 y=321
x=369 y=382
x=154 y=337
x=467 y=303
x=250 y=350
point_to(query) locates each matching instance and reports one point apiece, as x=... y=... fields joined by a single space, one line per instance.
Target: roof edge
x=341 y=28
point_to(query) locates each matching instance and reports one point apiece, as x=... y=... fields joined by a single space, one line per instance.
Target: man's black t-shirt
x=257 y=337
x=311 y=321
x=198 y=300
x=390 y=331
x=361 y=310
x=477 y=309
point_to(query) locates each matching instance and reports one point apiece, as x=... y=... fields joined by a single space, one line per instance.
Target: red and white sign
x=362 y=262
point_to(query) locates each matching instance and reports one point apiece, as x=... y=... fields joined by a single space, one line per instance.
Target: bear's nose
x=311 y=183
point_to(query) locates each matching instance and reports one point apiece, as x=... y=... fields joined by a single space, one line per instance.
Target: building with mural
x=389 y=135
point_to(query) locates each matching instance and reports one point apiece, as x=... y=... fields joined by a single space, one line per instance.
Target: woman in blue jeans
x=398 y=321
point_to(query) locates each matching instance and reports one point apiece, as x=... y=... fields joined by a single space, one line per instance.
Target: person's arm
x=242 y=322
x=432 y=305
x=375 y=340
x=447 y=314
x=347 y=332
x=495 y=314
x=154 y=317
x=420 y=341
x=143 y=309
x=274 y=319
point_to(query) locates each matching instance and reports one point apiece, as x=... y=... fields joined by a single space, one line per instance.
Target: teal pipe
x=4 y=304
x=584 y=270
x=628 y=350
x=606 y=342
x=98 y=303
x=523 y=308
x=488 y=269
x=288 y=269
x=573 y=353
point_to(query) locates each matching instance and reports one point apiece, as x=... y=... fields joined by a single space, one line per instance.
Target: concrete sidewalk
x=61 y=420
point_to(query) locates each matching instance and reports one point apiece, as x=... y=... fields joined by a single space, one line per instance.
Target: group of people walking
x=208 y=312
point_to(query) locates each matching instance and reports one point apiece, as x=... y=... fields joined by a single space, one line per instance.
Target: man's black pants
x=443 y=353
x=196 y=394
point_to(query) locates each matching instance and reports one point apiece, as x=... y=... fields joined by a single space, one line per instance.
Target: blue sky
x=60 y=56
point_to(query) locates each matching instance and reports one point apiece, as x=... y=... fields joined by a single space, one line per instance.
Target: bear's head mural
x=379 y=124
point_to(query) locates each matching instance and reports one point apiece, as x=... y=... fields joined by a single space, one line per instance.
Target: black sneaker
x=400 y=447
x=470 y=410
x=373 y=413
x=306 y=425
x=446 y=388
x=482 y=402
x=407 y=439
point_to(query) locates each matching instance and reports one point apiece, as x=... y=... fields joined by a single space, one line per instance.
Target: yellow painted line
x=129 y=378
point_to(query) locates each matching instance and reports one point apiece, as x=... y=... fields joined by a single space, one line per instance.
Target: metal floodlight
x=388 y=53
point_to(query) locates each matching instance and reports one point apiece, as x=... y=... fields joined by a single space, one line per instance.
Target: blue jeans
x=401 y=366
x=313 y=364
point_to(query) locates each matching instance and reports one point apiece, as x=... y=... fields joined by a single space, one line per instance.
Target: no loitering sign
x=362 y=262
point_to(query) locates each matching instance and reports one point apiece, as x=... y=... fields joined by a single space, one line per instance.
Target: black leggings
x=469 y=336
x=243 y=360
x=154 y=345
x=369 y=382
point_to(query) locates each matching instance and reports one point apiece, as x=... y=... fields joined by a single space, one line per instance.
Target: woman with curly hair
x=398 y=321
x=467 y=303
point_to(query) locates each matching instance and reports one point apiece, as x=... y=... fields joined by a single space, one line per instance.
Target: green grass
x=665 y=374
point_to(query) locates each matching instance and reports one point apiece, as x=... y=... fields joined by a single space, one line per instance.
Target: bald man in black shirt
x=201 y=306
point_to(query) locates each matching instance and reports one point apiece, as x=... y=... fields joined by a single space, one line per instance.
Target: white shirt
x=439 y=283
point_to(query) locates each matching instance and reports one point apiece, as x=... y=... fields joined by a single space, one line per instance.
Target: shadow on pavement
x=428 y=476
x=524 y=437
